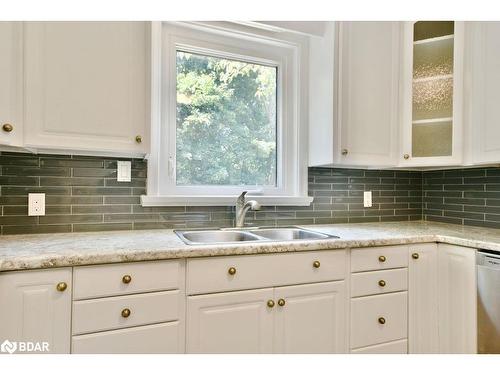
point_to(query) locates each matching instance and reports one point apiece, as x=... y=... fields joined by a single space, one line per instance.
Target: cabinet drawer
x=379 y=258
x=365 y=314
x=150 y=339
x=377 y=282
x=394 y=347
x=106 y=313
x=125 y=278
x=259 y=271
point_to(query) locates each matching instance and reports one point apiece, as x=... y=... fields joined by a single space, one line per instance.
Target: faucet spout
x=242 y=207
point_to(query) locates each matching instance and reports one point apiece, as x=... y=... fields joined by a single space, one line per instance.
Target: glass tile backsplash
x=82 y=194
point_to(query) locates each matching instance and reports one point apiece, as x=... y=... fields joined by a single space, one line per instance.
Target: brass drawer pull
x=61 y=287
x=406 y=156
x=270 y=303
x=381 y=320
x=316 y=264
x=126 y=313
x=281 y=302
x=382 y=258
x=231 y=270
x=126 y=279
x=381 y=283
x=7 y=128
x=344 y=151
x=415 y=256
x=138 y=138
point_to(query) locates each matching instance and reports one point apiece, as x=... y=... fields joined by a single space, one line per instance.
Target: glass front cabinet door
x=432 y=93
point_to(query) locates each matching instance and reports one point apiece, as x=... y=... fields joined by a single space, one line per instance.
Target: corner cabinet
x=432 y=91
x=482 y=79
x=87 y=87
x=36 y=307
x=11 y=124
x=457 y=304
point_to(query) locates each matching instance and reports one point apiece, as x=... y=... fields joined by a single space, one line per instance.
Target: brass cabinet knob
x=382 y=258
x=406 y=156
x=231 y=270
x=281 y=302
x=316 y=264
x=344 y=151
x=270 y=303
x=126 y=313
x=415 y=255
x=7 y=128
x=126 y=279
x=61 y=287
x=381 y=320
x=138 y=139
x=381 y=283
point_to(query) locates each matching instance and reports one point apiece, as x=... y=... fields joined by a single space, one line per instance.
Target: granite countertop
x=33 y=251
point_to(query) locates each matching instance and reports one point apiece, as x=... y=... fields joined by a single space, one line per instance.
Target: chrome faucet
x=242 y=206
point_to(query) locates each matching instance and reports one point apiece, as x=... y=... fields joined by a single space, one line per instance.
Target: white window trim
x=288 y=52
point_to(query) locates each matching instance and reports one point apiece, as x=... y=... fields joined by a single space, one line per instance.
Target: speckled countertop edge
x=23 y=252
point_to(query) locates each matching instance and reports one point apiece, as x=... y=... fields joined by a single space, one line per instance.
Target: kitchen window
x=227 y=116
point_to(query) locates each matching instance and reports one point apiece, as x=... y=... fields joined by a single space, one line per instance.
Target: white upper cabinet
x=11 y=126
x=432 y=88
x=363 y=130
x=86 y=86
x=368 y=93
x=482 y=80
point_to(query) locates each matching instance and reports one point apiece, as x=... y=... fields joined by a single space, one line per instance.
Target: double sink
x=235 y=235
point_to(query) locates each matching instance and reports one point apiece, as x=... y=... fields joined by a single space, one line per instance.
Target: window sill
x=223 y=200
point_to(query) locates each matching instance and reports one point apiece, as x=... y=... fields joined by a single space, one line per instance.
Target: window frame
x=219 y=40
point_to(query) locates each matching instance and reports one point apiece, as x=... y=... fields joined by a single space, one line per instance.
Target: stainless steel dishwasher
x=488 y=302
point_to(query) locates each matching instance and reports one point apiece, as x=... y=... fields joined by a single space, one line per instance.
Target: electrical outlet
x=36 y=204
x=367 y=199
x=124 y=172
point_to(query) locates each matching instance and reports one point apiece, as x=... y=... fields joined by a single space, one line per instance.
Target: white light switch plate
x=36 y=204
x=367 y=199
x=124 y=171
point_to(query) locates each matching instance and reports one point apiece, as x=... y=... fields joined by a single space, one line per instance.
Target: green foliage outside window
x=226 y=122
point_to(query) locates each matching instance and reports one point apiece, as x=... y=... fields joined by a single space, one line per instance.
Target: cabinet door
x=312 y=319
x=482 y=72
x=423 y=299
x=235 y=322
x=11 y=127
x=34 y=310
x=86 y=86
x=457 y=299
x=432 y=91
x=368 y=93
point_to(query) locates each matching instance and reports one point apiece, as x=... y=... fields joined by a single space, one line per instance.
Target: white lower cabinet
x=307 y=318
x=313 y=319
x=457 y=304
x=149 y=339
x=36 y=307
x=418 y=298
x=423 y=299
x=235 y=322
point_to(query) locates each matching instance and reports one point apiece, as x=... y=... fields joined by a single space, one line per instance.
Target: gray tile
x=101 y=227
x=27 y=171
x=32 y=229
x=18 y=190
x=19 y=181
x=73 y=163
x=68 y=219
x=104 y=209
x=75 y=181
x=100 y=191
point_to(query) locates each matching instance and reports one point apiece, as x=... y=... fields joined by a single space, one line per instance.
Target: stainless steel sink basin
x=216 y=236
x=235 y=235
x=289 y=234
